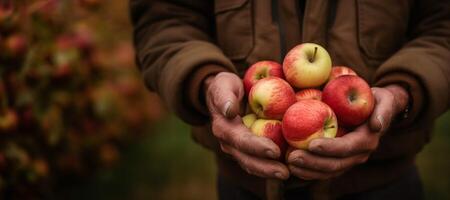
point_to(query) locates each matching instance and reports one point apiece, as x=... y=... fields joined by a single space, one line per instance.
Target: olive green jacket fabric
x=180 y=42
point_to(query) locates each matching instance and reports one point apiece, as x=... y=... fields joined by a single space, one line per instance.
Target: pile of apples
x=70 y=96
x=305 y=98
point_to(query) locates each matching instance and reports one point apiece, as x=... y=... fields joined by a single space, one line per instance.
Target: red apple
x=270 y=97
x=351 y=99
x=309 y=94
x=270 y=129
x=260 y=70
x=337 y=71
x=307 y=65
x=307 y=120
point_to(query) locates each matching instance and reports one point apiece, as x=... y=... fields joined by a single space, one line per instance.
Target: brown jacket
x=180 y=42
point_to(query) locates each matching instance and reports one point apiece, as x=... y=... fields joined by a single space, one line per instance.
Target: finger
x=304 y=159
x=307 y=174
x=226 y=92
x=264 y=168
x=383 y=111
x=361 y=140
x=288 y=152
x=234 y=133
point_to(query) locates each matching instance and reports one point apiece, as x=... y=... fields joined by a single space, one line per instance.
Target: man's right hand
x=256 y=155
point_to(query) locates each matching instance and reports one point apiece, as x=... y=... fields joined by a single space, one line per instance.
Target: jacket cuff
x=415 y=93
x=174 y=77
x=426 y=79
x=195 y=86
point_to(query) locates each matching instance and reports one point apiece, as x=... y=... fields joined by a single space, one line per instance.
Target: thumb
x=230 y=109
x=228 y=91
x=383 y=111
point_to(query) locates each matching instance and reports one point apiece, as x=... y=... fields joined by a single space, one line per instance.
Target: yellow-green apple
x=351 y=99
x=337 y=71
x=270 y=97
x=260 y=70
x=270 y=129
x=249 y=119
x=307 y=65
x=307 y=120
x=309 y=94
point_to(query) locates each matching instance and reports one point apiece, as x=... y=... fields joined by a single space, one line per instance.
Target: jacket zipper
x=331 y=18
x=301 y=8
x=276 y=19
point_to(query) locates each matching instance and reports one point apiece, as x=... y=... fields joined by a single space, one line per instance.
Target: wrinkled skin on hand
x=330 y=157
x=256 y=155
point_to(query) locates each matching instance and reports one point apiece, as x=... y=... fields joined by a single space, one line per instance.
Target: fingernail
x=227 y=108
x=381 y=121
x=279 y=175
x=270 y=153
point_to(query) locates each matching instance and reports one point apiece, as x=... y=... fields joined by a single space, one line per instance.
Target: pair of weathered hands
x=325 y=159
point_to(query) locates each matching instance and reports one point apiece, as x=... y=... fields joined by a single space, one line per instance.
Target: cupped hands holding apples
x=256 y=155
x=329 y=157
x=308 y=120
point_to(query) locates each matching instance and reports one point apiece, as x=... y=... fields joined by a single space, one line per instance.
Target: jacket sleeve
x=423 y=63
x=175 y=52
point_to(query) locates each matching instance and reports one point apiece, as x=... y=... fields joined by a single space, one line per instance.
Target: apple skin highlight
x=337 y=71
x=309 y=94
x=351 y=99
x=307 y=65
x=270 y=129
x=307 y=120
x=260 y=70
x=270 y=97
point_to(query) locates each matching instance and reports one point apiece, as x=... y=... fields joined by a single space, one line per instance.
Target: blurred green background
x=161 y=161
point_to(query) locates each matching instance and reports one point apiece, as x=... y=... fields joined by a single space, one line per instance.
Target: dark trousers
x=409 y=186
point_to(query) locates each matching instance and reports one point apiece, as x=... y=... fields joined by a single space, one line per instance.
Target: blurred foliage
x=164 y=165
x=69 y=94
x=72 y=102
x=434 y=161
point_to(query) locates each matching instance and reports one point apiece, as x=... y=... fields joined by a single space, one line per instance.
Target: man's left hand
x=330 y=157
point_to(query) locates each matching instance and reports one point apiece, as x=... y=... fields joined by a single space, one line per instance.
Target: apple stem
x=314 y=55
